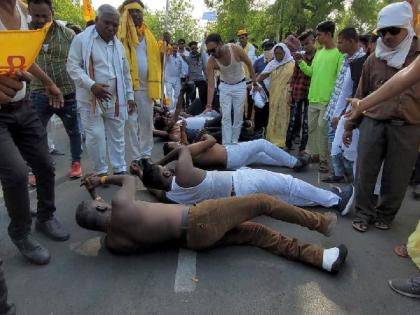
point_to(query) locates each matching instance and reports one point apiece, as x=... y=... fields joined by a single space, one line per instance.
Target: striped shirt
x=52 y=59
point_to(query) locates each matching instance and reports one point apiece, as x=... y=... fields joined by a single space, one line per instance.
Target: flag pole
x=165 y=47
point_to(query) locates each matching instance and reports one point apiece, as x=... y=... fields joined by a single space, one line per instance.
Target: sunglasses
x=391 y=30
x=211 y=51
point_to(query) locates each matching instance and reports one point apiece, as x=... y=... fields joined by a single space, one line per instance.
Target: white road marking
x=185 y=278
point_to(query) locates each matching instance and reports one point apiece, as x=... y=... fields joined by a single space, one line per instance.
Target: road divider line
x=185 y=277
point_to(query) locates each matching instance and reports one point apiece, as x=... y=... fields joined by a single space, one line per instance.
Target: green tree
x=69 y=11
x=181 y=23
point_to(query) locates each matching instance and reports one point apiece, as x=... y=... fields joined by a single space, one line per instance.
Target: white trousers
x=285 y=187
x=232 y=97
x=261 y=152
x=139 y=127
x=104 y=131
x=173 y=88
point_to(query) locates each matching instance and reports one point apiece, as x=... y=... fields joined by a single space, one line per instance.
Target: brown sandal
x=401 y=250
x=360 y=226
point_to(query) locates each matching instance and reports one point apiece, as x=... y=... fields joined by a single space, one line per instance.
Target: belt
x=8 y=107
x=243 y=80
x=233 y=192
x=184 y=226
x=396 y=122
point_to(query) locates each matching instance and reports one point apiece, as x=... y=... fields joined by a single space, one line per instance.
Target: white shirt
x=173 y=68
x=141 y=52
x=184 y=70
x=346 y=92
x=103 y=59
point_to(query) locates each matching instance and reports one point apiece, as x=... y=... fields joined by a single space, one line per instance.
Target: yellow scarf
x=128 y=35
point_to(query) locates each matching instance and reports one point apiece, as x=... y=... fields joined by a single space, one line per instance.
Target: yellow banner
x=20 y=49
x=88 y=11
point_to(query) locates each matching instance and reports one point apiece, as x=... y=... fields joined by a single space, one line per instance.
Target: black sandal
x=382 y=225
x=360 y=225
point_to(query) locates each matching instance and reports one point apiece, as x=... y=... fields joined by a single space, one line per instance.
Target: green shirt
x=323 y=71
x=53 y=58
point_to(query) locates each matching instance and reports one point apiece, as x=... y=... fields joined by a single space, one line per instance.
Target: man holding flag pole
x=143 y=56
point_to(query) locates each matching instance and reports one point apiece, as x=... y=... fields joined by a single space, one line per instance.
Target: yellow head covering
x=242 y=32
x=128 y=34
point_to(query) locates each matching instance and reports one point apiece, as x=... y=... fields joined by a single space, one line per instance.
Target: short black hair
x=215 y=38
x=349 y=33
x=192 y=43
x=364 y=38
x=160 y=123
x=47 y=2
x=132 y=1
x=167 y=148
x=87 y=218
x=326 y=27
x=152 y=177
x=90 y=23
x=231 y=41
x=181 y=41
x=306 y=34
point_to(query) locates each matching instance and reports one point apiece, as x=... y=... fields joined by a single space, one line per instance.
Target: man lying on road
x=191 y=185
x=134 y=226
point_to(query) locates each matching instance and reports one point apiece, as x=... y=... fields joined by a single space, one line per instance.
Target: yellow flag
x=88 y=11
x=20 y=49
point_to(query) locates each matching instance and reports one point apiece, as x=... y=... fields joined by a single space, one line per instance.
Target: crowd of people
x=219 y=107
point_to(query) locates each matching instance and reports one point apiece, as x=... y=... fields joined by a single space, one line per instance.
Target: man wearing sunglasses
x=389 y=132
x=228 y=60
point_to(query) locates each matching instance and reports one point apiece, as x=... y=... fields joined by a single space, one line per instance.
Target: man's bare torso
x=214 y=157
x=142 y=225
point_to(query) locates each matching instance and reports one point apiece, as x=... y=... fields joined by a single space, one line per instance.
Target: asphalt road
x=83 y=278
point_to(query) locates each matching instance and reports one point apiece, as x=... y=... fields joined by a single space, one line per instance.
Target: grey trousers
x=396 y=146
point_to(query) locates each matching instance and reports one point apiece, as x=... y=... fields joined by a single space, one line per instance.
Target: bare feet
x=331 y=222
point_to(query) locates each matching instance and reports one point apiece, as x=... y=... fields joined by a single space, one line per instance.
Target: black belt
x=232 y=192
x=396 y=122
x=243 y=80
x=184 y=226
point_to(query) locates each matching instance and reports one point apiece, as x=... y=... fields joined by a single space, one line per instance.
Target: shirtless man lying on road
x=190 y=185
x=208 y=154
x=134 y=226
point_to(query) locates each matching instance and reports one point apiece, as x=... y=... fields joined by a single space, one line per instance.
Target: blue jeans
x=67 y=114
x=342 y=166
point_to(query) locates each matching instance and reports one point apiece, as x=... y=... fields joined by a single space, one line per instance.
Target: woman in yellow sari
x=278 y=71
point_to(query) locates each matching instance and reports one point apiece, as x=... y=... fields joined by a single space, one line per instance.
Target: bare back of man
x=131 y=225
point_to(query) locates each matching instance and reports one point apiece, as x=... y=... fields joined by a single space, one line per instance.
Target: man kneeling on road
x=190 y=185
x=134 y=226
x=208 y=154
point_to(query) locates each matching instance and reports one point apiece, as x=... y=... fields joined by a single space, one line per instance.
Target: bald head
x=107 y=22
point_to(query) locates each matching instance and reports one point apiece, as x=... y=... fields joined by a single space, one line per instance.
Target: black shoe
x=33 y=213
x=9 y=310
x=346 y=195
x=32 y=250
x=56 y=152
x=53 y=229
x=146 y=162
x=338 y=264
x=301 y=163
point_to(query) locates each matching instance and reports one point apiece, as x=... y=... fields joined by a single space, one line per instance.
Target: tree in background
x=69 y=11
x=181 y=23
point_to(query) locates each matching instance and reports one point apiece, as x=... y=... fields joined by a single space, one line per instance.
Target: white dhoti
x=285 y=187
x=232 y=97
x=139 y=127
x=260 y=152
x=104 y=131
x=173 y=89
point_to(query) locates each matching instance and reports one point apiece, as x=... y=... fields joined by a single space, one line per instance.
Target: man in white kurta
x=98 y=65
